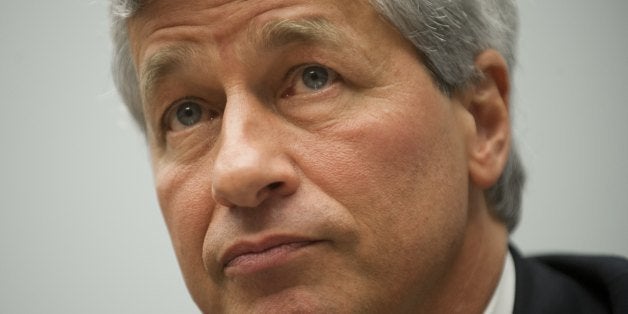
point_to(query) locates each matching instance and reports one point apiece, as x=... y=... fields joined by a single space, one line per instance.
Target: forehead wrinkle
x=281 y=32
x=161 y=64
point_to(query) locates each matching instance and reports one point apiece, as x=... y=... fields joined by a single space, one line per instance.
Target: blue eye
x=315 y=77
x=189 y=113
x=309 y=80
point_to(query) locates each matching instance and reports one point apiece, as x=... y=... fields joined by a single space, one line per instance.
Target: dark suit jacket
x=570 y=284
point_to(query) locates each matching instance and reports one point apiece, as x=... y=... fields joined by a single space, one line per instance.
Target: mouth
x=250 y=257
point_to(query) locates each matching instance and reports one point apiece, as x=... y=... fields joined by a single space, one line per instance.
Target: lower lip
x=273 y=257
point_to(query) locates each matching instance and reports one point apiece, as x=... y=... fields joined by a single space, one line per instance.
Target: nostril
x=274 y=185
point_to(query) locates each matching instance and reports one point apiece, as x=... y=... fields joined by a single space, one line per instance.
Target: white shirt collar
x=503 y=300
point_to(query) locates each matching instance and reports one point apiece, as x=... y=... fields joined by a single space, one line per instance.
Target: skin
x=384 y=173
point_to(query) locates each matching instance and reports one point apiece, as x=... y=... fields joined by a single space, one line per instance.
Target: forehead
x=221 y=19
x=254 y=24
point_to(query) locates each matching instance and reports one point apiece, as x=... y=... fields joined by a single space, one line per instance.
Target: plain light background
x=80 y=229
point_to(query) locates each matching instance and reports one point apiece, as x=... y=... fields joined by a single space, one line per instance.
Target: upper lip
x=251 y=246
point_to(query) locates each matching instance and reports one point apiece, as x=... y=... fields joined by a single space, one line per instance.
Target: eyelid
x=294 y=75
x=208 y=114
x=171 y=110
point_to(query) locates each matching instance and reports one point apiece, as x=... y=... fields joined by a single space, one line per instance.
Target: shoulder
x=571 y=284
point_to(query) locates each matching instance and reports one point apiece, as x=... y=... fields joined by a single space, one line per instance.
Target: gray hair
x=448 y=34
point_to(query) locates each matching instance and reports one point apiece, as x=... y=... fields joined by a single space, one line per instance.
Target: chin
x=292 y=300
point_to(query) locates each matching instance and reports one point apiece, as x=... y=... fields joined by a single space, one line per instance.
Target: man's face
x=304 y=158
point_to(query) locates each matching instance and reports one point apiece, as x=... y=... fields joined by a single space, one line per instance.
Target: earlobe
x=489 y=106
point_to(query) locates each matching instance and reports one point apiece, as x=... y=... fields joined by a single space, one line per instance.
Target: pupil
x=315 y=77
x=189 y=114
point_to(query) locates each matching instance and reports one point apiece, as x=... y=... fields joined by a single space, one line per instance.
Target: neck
x=469 y=286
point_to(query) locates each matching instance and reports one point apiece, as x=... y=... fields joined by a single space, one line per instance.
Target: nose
x=251 y=163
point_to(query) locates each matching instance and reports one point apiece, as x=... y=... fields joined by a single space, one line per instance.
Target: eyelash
x=295 y=76
x=171 y=112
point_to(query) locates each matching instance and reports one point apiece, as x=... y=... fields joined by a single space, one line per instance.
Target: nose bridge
x=241 y=142
x=240 y=119
x=249 y=164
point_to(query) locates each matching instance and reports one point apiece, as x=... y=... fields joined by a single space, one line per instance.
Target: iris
x=189 y=113
x=315 y=77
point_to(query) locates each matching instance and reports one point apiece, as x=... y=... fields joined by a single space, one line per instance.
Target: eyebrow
x=161 y=64
x=272 y=35
x=281 y=32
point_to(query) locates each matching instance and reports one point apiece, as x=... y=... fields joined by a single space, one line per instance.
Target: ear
x=488 y=104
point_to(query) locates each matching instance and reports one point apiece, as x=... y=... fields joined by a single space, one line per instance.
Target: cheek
x=398 y=167
x=401 y=177
x=185 y=200
x=186 y=204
